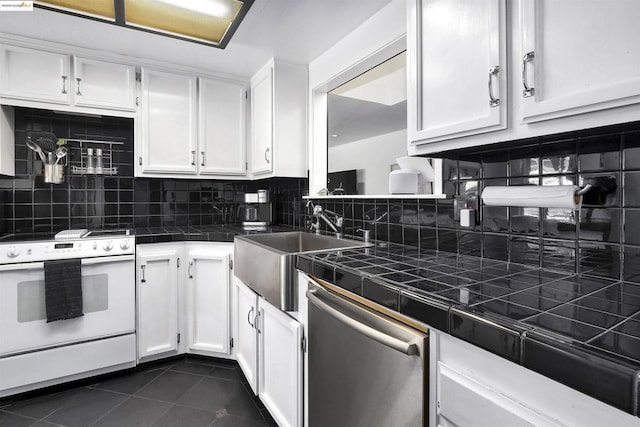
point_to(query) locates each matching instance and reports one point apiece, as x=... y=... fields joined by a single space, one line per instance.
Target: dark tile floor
x=185 y=392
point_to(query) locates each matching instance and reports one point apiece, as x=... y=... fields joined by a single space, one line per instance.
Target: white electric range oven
x=34 y=353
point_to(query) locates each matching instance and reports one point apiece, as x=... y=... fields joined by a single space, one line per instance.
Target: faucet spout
x=335 y=224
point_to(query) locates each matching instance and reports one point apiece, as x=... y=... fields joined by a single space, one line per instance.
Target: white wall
x=372 y=157
x=377 y=39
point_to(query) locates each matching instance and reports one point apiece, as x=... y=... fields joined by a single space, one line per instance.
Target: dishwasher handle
x=407 y=348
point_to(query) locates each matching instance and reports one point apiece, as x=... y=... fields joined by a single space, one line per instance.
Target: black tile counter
x=581 y=331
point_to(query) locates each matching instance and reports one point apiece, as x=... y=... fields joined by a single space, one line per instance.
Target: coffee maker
x=256 y=212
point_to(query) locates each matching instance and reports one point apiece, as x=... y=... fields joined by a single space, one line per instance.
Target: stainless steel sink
x=266 y=262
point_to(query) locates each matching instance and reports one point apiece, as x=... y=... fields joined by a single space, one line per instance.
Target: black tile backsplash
x=28 y=205
x=600 y=239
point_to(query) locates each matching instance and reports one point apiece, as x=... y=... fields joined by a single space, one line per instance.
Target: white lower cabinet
x=183 y=299
x=207 y=300
x=269 y=351
x=464 y=402
x=477 y=388
x=280 y=365
x=157 y=298
x=246 y=342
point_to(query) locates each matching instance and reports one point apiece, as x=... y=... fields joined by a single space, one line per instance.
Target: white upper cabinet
x=104 y=84
x=279 y=121
x=262 y=123
x=37 y=75
x=168 y=129
x=31 y=74
x=207 y=300
x=7 y=141
x=578 y=56
x=222 y=143
x=457 y=68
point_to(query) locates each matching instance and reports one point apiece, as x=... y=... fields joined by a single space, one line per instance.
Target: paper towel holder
x=582 y=191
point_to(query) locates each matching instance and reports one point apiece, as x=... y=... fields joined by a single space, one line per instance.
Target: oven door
x=108 y=295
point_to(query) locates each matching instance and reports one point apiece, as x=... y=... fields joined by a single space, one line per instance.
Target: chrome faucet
x=366 y=234
x=335 y=224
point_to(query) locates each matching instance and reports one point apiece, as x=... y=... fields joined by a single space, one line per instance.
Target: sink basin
x=266 y=262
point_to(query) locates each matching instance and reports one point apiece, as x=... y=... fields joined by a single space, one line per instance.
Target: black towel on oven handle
x=63 y=289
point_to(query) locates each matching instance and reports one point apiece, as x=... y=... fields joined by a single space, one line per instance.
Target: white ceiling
x=292 y=30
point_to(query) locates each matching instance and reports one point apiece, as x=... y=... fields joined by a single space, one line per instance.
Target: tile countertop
x=581 y=331
x=211 y=233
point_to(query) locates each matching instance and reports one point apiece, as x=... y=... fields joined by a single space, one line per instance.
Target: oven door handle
x=85 y=261
x=106 y=259
x=408 y=348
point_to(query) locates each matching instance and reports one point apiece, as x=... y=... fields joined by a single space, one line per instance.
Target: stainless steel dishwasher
x=365 y=369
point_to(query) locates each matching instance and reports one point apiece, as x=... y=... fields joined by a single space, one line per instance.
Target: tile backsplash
x=28 y=204
x=600 y=239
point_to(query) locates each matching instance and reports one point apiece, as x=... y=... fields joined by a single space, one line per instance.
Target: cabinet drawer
x=464 y=402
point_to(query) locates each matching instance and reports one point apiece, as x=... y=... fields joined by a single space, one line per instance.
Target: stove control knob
x=108 y=245
x=125 y=244
x=13 y=252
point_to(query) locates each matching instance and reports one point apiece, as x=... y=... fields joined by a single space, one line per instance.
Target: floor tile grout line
x=93 y=386
x=111 y=410
x=21 y=415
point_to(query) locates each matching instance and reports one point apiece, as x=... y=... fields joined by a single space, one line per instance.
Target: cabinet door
x=262 y=123
x=168 y=133
x=457 y=68
x=207 y=304
x=464 y=402
x=34 y=75
x=280 y=366
x=104 y=84
x=157 y=283
x=578 y=56
x=247 y=339
x=7 y=141
x=222 y=128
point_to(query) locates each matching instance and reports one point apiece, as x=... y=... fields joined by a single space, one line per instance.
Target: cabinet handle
x=143 y=280
x=255 y=322
x=202 y=164
x=189 y=270
x=249 y=317
x=78 y=81
x=193 y=157
x=140 y=161
x=266 y=155
x=528 y=91
x=64 y=84
x=493 y=71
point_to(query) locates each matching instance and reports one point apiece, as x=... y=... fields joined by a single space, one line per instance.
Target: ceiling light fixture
x=208 y=22
x=205 y=7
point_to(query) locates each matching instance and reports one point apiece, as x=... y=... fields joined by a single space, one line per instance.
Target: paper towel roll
x=535 y=196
